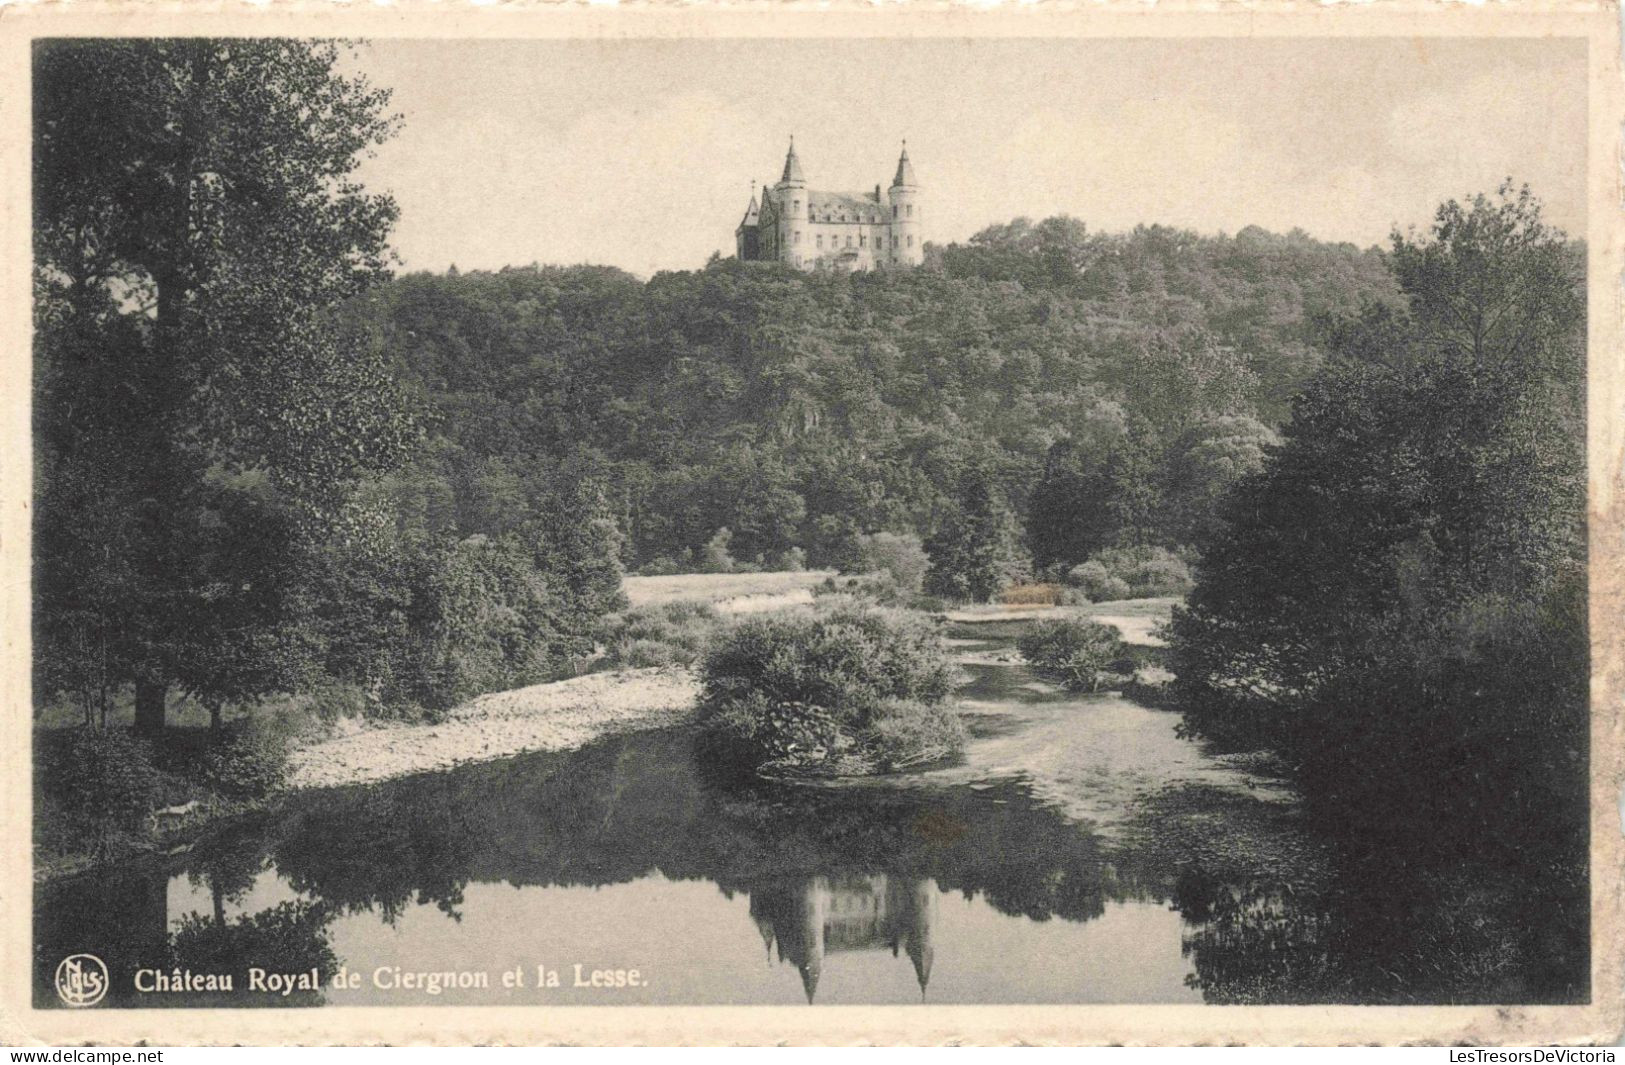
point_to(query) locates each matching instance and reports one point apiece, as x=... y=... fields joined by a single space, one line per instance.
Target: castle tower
x=922 y=912
x=747 y=240
x=791 y=193
x=812 y=913
x=904 y=195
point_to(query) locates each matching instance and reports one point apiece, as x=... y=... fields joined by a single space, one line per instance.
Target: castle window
x=911 y=210
x=797 y=238
x=849 y=240
x=862 y=240
x=911 y=241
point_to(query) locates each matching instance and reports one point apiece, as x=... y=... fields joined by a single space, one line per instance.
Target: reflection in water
x=624 y=854
x=812 y=917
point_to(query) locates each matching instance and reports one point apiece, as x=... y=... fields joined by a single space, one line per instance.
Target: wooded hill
x=1144 y=371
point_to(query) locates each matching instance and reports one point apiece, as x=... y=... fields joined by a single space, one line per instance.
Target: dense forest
x=1102 y=388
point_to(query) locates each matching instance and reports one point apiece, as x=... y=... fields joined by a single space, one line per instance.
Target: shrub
x=792 y=559
x=106 y=780
x=715 y=556
x=1125 y=572
x=912 y=733
x=482 y=617
x=1074 y=652
x=1165 y=576
x=814 y=687
x=669 y=565
x=900 y=556
x=669 y=634
x=332 y=701
x=753 y=730
x=421 y=620
x=1032 y=595
x=1114 y=588
x=878 y=588
x=1088 y=576
x=246 y=760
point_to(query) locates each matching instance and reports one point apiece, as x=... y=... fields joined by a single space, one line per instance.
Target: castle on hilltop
x=812 y=230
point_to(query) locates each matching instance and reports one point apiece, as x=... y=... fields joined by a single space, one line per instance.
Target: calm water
x=1083 y=853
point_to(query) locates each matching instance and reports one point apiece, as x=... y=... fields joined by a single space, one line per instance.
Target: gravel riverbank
x=542 y=717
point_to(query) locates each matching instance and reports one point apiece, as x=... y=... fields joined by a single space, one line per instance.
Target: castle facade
x=813 y=230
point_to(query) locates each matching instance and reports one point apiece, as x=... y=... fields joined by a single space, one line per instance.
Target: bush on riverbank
x=666 y=634
x=98 y=789
x=103 y=780
x=847 y=688
x=422 y=624
x=247 y=759
x=1080 y=654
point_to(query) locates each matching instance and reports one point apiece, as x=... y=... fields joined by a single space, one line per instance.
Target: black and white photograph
x=832 y=519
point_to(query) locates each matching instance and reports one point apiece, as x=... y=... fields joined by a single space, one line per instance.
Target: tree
x=1396 y=600
x=1081 y=506
x=195 y=198
x=1068 y=515
x=973 y=553
x=1203 y=465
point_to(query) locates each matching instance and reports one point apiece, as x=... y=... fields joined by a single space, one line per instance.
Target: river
x=1082 y=853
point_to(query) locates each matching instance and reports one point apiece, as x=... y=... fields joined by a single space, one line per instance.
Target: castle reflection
x=807 y=919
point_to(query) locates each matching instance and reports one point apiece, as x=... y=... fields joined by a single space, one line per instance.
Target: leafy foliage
x=429 y=622
x=818 y=687
x=247 y=760
x=808 y=411
x=199 y=411
x=1396 y=601
x=899 y=557
x=974 y=553
x=1131 y=572
x=1076 y=652
x=105 y=780
x=669 y=634
x=291 y=937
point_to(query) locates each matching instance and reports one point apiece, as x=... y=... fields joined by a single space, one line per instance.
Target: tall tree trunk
x=162 y=506
x=150 y=700
x=214 y=715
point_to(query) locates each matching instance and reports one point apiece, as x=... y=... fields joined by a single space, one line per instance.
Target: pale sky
x=640 y=153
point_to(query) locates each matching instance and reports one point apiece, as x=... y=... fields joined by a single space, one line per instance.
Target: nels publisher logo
x=81 y=980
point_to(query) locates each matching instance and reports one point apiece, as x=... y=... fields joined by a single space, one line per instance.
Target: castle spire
x=905 y=169
x=922 y=913
x=752 y=212
x=792 y=166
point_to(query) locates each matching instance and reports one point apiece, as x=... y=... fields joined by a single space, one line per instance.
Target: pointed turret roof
x=792 y=166
x=905 y=169
x=765 y=927
x=809 y=977
x=753 y=213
